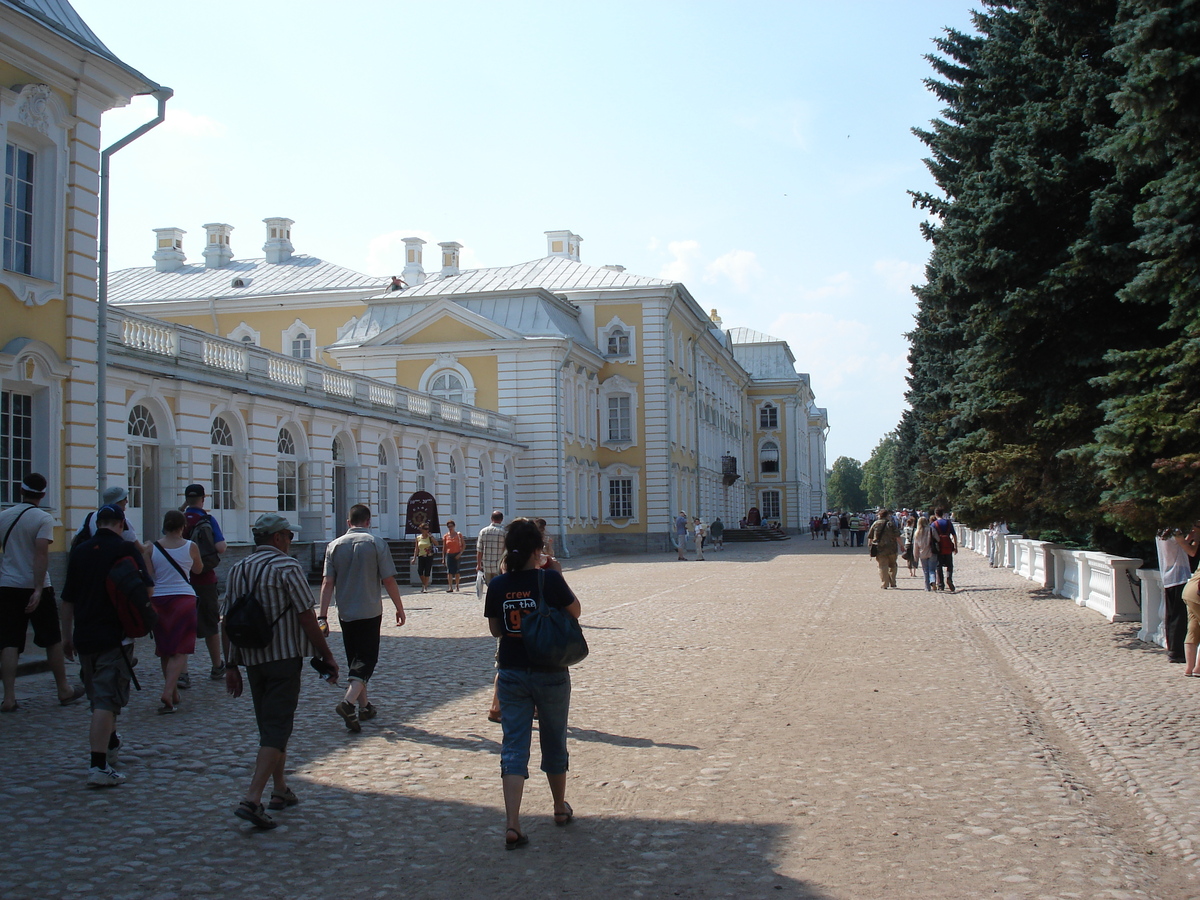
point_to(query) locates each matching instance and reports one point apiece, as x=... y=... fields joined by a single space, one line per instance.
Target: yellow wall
x=446 y=330
x=44 y=323
x=485 y=373
x=271 y=323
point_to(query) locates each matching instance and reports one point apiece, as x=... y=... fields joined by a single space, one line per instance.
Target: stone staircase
x=753 y=534
x=406 y=570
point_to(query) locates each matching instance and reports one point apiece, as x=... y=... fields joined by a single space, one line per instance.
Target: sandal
x=76 y=692
x=564 y=818
x=165 y=708
x=281 y=801
x=513 y=843
x=7 y=709
x=491 y=717
x=253 y=813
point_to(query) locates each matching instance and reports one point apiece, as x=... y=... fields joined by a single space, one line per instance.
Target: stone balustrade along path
x=766 y=723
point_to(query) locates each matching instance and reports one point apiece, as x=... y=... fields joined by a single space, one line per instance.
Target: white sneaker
x=106 y=777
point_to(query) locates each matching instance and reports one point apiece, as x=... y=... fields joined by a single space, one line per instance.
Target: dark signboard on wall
x=422 y=509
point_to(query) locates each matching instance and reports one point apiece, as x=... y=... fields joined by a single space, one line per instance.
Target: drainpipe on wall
x=696 y=430
x=563 y=550
x=162 y=95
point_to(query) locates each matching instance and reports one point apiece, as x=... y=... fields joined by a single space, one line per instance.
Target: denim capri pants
x=520 y=690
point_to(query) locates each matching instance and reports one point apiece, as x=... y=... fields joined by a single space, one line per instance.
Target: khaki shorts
x=106 y=679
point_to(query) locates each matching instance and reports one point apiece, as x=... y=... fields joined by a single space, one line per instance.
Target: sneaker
x=367 y=713
x=106 y=777
x=114 y=750
x=217 y=673
x=349 y=715
x=184 y=682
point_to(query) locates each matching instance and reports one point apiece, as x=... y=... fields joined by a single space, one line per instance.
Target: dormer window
x=302 y=346
x=238 y=283
x=618 y=342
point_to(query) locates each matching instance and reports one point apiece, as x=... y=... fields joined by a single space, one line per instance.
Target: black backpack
x=246 y=622
x=206 y=542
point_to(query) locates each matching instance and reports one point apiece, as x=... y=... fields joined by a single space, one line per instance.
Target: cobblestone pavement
x=768 y=723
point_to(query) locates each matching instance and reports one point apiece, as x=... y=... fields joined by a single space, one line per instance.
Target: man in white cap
x=26 y=532
x=273 y=672
x=114 y=496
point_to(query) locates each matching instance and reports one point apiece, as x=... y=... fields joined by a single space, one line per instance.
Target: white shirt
x=16 y=566
x=1173 y=562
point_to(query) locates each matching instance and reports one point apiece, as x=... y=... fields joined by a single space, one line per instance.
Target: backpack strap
x=4 y=544
x=171 y=560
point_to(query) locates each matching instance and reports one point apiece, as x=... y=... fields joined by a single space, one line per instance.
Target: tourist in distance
x=1175 y=550
x=717 y=532
x=203 y=529
x=946 y=545
x=924 y=551
x=522 y=686
x=885 y=538
x=681 y=530
x=698 y=526
x=172 y=561
x=423 y=548
x=910 y=554
x=452 y=548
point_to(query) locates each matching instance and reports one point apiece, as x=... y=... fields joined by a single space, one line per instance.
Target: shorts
x=14 y=622
x=519 y=691
x=452 y=563
x=360 y=637
x=275 y=689
x=106 y=679
x=208 y=610
x=424 y=566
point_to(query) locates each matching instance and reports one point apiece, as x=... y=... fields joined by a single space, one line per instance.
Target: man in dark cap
x=202 y=527
x=26 y=532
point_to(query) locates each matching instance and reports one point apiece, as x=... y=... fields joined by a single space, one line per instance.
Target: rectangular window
x=222 y=479
x=770 y=505
x=620 y=427
x=383 y=492
x=137 y=475
x=18 y=210
x=768 y=417
x=620 y=498
x=453 y=497
x=288 y=489
x=16 y=444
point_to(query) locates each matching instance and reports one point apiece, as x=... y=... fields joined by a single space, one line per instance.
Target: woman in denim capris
x=521 y=686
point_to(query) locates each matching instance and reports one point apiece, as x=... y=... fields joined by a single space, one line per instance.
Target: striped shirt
x=491 y=547
x=283 y=591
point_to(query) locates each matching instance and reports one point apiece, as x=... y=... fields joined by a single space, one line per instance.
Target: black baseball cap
x=194 y=490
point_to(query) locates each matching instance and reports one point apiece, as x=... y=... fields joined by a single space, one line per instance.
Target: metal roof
x=742 y=335
x=60 y=16
x=532 y=315
x=298 y=275
x=552 y=273
x=766 y=358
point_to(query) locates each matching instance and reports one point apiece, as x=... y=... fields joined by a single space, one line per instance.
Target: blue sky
x=760 y=153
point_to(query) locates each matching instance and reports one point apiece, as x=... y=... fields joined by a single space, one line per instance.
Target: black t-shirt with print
x=512 y=596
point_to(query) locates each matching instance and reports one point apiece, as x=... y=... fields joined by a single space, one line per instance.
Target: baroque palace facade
x=601 y=401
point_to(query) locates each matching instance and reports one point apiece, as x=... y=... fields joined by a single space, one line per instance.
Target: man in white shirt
x=26 y=532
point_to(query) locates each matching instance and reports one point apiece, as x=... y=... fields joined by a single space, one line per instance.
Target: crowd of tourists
x=927 y=543
x=119 y=589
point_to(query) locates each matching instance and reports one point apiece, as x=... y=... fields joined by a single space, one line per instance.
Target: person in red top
x=452 y=548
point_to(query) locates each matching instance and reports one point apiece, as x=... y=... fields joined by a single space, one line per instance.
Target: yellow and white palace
x=602 y=401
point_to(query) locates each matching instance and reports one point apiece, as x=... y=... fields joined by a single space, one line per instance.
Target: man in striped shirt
x=489 y=548
x=279 y=583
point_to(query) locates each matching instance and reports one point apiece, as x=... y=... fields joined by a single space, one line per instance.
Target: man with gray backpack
x=202 y=529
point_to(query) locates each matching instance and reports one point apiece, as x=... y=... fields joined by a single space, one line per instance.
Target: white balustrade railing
x=138 y=334
x=225 y=355
x=451 y=413
x=338 y=384
x=285 y=371
x=382 y=394
x=1154 y=608
x=419 y=406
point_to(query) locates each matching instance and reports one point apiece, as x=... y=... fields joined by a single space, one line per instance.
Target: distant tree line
x=1055 y=361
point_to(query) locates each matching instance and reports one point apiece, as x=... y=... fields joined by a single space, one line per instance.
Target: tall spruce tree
x=1031 y=247
x=1148 y=451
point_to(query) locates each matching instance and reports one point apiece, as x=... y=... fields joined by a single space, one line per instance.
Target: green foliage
x=1060 y=318
x=846 y=485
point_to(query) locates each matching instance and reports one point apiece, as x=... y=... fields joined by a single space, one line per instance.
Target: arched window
x=141 y=423
x=222 y=464
x=420 y=471
x=384 y=480
x=302 y=346
x=339 y=455
x=138 y=456
x=618 y=342
x=768 y=457
x=453 y=510
x=447 y=386
x=287 y=470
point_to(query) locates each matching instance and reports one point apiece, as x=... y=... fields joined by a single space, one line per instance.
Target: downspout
x=560 y=450
x=696 y=430
x=162 y=95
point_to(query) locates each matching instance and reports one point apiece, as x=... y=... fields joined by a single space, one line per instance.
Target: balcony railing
x=142 y=336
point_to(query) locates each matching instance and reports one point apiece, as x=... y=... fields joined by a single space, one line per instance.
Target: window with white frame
x=384 y=481
x=484 y=490
x=620 y=424
x=620 y=498
x=302 y=346
x=287 y=471
x=420 y=471
x=299 y=340
x=618 y=340
x=35 y=132
x=770 y=505
x=768 y=458
x=140 y=428
x=447 y=385
x=768 y=416
x=221 y=439
x=16 y=444
x=453 y=509
x=619 y=400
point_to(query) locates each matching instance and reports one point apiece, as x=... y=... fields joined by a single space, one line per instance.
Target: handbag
x=874 y=550
x=551 y=636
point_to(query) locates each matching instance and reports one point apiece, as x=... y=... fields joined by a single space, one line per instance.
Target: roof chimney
x=168 y=252
x=563 y=243
x=450 y=257
x=414 y=271
x=217 y=252
x=279 y=240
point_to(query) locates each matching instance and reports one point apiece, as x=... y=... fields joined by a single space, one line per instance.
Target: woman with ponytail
x=522 y=686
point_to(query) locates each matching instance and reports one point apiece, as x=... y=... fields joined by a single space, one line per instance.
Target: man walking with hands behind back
x=489 y=548
x=357 y=563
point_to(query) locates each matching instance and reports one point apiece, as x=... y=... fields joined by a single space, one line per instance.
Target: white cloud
x=840 y=285
x=739 y=266
x=899 y=276
x=686 y=254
